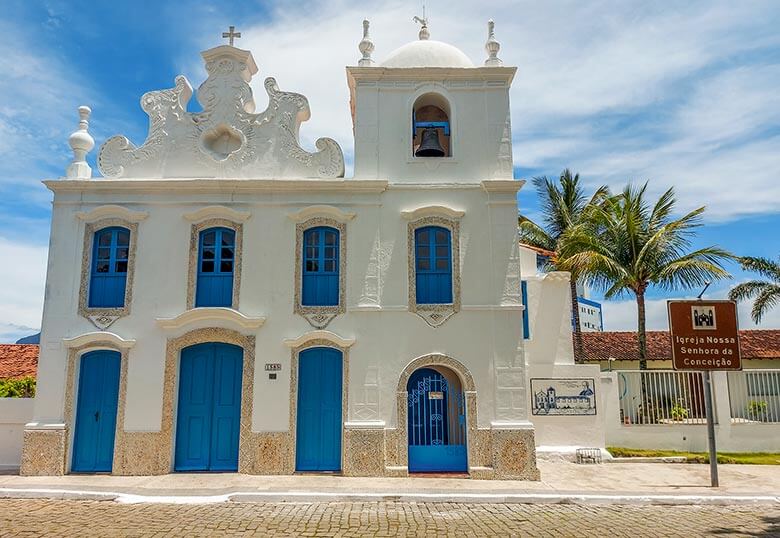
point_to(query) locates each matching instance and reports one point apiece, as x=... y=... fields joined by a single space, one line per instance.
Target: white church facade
x=224 y=300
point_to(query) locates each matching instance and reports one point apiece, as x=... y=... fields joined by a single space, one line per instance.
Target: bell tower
x=427 y=113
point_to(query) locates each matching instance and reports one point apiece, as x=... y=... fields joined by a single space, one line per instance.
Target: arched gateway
x=436 y=421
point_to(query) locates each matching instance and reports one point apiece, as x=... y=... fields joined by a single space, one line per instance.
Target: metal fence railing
x=754 y=396
x=661 y=397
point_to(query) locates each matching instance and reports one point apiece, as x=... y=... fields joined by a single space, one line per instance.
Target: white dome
x=427 y=53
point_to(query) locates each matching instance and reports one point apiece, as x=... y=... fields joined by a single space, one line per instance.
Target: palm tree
x=628 y=246
x=766 y=292
x=563 y=208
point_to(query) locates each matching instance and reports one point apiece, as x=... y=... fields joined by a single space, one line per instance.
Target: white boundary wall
x=14 y=414
x=729 y=437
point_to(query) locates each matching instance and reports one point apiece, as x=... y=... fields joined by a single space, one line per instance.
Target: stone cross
x=231 y=34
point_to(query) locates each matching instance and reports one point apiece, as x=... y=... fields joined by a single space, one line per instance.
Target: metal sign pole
x=710 y=428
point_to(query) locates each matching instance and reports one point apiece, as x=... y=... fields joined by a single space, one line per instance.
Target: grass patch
x=751 y=458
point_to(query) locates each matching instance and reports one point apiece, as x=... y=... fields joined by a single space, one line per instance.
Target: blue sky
x=680 y=94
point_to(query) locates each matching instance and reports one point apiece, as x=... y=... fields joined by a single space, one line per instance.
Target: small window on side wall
x=108 y=278
x=431 y=130
x=526 y=324
x=433 y=265
x=216 y=263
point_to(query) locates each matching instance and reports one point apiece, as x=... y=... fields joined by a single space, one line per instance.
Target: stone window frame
x=434 y=314
x=192 y=276
x=319 y=339
x=320 y=316
x=103 y=317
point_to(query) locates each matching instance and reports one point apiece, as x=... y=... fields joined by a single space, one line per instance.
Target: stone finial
x=366 y=47
x=81 y=142
x=492 y=46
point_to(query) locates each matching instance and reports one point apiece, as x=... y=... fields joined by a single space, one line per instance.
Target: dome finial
x=81 y=142
x=366 y=47
x=492 y=46
x=424 y=33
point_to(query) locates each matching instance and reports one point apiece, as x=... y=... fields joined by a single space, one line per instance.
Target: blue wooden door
x=98 y=395
x=437 y=424
x=209 y=412
x=318 y=433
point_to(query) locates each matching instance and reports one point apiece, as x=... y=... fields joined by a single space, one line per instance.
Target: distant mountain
x=34 y=339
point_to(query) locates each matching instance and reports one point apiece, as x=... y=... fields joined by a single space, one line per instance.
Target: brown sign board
x=704 y=335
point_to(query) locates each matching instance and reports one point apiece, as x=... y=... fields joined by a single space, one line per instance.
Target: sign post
x=705 y=337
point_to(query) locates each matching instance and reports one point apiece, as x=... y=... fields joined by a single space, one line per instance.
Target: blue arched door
x=98 y=395
x=436 y=424
x=318 y=430
x=209 y=412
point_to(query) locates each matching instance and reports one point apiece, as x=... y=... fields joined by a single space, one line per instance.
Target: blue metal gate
x=437 y=424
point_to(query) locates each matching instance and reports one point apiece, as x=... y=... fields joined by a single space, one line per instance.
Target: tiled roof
x=755 y=344
x=539 y=250
x=18 y=360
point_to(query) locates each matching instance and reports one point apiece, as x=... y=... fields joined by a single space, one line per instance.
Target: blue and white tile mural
x=563 y=396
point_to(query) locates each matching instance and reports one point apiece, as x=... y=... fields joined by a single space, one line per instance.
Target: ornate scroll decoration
x=226 y=139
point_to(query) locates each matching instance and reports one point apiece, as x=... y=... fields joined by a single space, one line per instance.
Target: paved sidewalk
x=561 y=482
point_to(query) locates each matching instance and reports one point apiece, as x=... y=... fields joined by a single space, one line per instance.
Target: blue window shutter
x=108 y=276
x=526 y=326
x=216 y=264
x=320 y=274
x=433 y=265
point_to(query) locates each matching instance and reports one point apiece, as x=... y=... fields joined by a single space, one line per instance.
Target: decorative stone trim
x=71 y=394
x=325 y=211
x=192 y=277
x=506 y=186
x=111 y=212
x=320 y=316
x=94 y=338
x=557 y=276
x=217 y=212
x=293 y=423
x=434 y=314
x=103 y=318
x=43 y=453
x=432 y=211
x=398 y=455
x=236 y=320
x=164 y=441
x=332 y=338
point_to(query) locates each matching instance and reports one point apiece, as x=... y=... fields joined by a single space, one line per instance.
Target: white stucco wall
x=484 y=333
x=14 y=414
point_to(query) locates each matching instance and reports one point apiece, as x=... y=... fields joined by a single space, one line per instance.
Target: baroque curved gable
x=226 y=139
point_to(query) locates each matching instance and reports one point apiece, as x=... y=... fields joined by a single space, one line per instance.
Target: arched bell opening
x=436 y=417
x=431 y=129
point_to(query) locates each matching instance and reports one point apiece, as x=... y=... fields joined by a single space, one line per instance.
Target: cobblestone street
x=38 y=517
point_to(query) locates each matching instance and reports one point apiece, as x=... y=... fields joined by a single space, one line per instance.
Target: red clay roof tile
x=599 y=346
x=18 y=360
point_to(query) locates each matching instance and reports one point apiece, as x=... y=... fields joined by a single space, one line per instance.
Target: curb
x=446 y=497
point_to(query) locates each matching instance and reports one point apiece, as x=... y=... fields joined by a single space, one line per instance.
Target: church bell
x=429 y=145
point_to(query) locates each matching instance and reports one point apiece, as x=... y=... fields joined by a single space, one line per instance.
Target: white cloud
x=576 y=61
x=21 y=298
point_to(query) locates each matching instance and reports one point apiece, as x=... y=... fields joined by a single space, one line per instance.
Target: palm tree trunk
x=641 y=328
x=579 y=355
x=649 y=414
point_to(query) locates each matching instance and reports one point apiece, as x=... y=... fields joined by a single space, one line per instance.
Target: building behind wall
x=223 y=299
